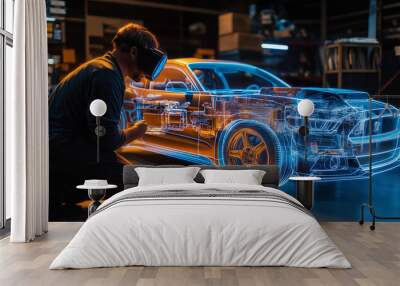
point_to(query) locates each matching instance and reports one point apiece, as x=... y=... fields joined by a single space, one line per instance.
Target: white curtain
x=27 y=124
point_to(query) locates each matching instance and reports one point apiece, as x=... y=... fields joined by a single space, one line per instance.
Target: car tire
x=248 y=142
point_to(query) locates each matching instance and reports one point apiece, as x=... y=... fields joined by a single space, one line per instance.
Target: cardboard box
x=233 y=23
x=69 y=56
x=240 y=41
x=397 y=50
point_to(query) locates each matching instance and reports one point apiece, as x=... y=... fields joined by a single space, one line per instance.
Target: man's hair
x=134 y=35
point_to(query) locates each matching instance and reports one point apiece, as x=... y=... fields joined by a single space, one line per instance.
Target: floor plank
x=375 y=257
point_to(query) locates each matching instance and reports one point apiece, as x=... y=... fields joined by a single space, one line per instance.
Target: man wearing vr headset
x=135 y=55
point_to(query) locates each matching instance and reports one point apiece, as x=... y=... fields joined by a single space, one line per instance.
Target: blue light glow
x=275 y=46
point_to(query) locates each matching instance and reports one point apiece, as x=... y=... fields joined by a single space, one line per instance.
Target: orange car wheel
x=248 y=146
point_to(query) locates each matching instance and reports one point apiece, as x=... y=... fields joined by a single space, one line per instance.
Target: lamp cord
x=305 y=143
x=98 y=139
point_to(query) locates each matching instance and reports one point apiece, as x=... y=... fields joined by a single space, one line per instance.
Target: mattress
x=201 y=225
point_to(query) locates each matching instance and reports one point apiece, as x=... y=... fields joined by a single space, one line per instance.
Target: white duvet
x=200 y=231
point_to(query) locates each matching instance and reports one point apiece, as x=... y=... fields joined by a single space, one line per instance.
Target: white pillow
x=166 y=176
x=247 y=177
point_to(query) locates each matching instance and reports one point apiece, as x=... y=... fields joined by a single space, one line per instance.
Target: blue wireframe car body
x=227 y=113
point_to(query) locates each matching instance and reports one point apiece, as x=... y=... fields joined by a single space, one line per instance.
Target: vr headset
x=151 y=60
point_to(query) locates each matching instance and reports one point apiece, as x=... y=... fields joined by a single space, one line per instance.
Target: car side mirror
x=176 y=86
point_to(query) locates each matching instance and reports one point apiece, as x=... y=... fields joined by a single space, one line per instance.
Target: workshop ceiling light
x=275 y=47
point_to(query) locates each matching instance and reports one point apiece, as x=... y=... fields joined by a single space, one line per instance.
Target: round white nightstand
x=305 y=189
x=95 y=193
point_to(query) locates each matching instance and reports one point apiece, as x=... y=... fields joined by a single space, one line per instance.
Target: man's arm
x=135 y=132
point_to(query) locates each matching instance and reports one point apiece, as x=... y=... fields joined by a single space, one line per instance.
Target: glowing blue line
x=395 y=134
x=214 y=65
x=397 y=149
x=383 y=168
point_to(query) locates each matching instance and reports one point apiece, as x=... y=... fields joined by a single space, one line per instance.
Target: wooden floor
x=375 y=257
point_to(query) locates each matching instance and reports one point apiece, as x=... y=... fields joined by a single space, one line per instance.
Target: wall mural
x=225 y=113
x=213 y=112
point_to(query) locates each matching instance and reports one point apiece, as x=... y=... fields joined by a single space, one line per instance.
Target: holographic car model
x=227 y=113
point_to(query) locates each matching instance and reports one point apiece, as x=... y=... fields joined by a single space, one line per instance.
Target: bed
x=197 y=224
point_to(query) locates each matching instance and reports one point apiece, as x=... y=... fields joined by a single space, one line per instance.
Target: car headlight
x=320 y=121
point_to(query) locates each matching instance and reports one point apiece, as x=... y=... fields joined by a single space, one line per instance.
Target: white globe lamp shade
x=305 y=108
x=98 y=107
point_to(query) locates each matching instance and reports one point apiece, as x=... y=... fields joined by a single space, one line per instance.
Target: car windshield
x=222 y=76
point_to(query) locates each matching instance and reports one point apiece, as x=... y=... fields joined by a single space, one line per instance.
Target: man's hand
x=135 y=132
